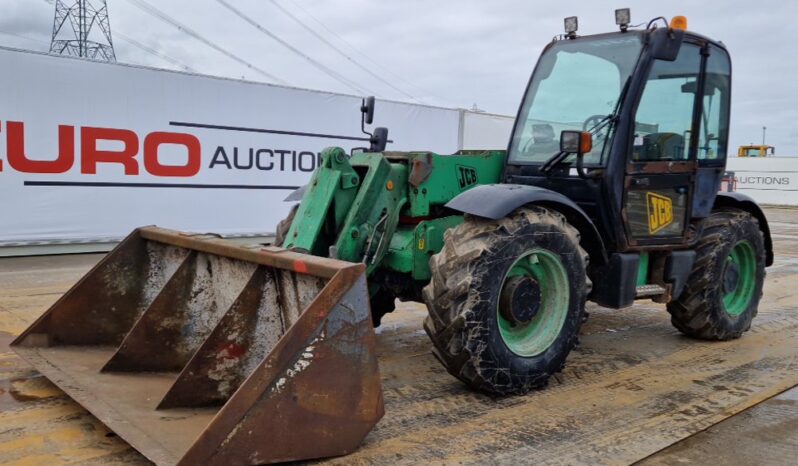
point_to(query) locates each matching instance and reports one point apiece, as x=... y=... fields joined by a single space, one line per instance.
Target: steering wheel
x=527 y=145
x=592 y=121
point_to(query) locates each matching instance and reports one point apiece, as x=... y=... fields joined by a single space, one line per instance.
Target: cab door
x=661 y=166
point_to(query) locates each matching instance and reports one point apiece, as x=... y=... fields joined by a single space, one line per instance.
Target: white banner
x=486 y=131
x=91 y=150
x=768 y=180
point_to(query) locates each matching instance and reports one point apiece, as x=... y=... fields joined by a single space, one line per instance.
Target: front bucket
x=199 y=351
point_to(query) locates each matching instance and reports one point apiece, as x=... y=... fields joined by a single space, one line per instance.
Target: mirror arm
x=363 y=124
x=580 y=166
x=366 y=113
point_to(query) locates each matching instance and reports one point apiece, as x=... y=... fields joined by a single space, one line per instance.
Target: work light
x=571 y=25
x=623 y=17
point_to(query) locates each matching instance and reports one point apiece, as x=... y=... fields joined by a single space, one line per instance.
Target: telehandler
x=198 y=351
x=753 y=150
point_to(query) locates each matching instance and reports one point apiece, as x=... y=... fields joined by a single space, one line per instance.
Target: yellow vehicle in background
x=756 y=151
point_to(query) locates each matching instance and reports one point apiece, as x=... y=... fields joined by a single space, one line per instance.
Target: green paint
x=450 y=175
x=737 y=300
x=353 y=206
x=374 y=214
x=400 y=252
x=329 y=196
x=411 y=247
x=642 y=269
x=540 y=333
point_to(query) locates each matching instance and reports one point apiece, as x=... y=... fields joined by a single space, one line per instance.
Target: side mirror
x=576 y=142
x=367 y=109
x=665 y=43
x=379 y=140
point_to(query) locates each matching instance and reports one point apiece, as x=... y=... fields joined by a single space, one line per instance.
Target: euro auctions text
x=158 y=153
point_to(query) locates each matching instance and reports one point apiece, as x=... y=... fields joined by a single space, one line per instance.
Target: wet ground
x=768 y=432
x=635 y=390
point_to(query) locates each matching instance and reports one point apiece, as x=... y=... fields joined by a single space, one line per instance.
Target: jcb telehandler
x=198 y=351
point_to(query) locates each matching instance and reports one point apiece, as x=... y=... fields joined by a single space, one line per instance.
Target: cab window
x=576 y=86
x=714 y=128
x=664 y=117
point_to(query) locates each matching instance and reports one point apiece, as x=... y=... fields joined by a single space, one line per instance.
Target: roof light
x=571 y=26
x=623 y=16
x=679 y=22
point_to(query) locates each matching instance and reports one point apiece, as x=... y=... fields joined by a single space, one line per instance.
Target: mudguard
x=495 y=201
x=746 y=203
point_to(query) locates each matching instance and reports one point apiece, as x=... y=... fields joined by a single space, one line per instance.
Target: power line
x=334 y=47
x=356 y=50
x=14 y=34
x=293 y=49
x=148 y=8
x=153 y=51
x=137 y=44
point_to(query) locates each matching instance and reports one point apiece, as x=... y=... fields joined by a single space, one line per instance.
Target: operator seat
x=662 y=146
x=543 y=138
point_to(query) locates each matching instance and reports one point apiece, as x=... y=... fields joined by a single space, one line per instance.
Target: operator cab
x=632 y=126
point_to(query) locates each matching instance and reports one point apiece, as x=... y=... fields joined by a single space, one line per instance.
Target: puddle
x=17 y=391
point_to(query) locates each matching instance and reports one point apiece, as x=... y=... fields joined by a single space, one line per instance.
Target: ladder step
x=649 y=290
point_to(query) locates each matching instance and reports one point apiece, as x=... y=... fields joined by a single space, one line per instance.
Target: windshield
x=576 y=86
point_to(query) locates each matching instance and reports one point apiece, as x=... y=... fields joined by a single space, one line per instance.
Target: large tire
x=713 y=305
x=468 y=276
x=284 y=226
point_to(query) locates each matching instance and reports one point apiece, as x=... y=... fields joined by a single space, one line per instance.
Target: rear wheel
x=506 y=299
x=722 y=293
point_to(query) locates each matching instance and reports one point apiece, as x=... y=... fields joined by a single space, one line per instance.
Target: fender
x=495 y=201
x=746 y=203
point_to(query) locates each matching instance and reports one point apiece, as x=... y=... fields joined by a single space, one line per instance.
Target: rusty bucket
x=198 y=351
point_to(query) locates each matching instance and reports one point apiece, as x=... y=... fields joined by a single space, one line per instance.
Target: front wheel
x=722 y=293
x=506 y=299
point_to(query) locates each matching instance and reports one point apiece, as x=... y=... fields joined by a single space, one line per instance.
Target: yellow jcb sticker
x=660 y=212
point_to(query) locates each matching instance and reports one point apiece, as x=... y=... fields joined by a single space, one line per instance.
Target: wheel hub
x=533 y=303
x=731 y=277
x=520 y=300
x=739 y=278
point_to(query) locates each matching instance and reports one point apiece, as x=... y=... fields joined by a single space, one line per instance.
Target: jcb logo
x=660 y=212
x=467 y=176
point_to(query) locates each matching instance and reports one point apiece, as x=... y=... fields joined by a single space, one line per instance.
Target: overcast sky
x=453 y=53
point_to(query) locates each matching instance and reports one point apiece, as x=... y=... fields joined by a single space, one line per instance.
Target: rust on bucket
x=197 y=350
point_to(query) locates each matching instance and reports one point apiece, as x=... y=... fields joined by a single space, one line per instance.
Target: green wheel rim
x=737 y=299
x=538 y=334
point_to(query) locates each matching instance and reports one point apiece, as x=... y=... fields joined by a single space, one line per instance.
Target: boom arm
x=351 y=208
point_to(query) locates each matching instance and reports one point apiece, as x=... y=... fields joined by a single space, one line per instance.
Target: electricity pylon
x=81 y=29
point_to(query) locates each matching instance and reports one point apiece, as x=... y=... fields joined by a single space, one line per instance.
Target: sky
x=452 y=53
